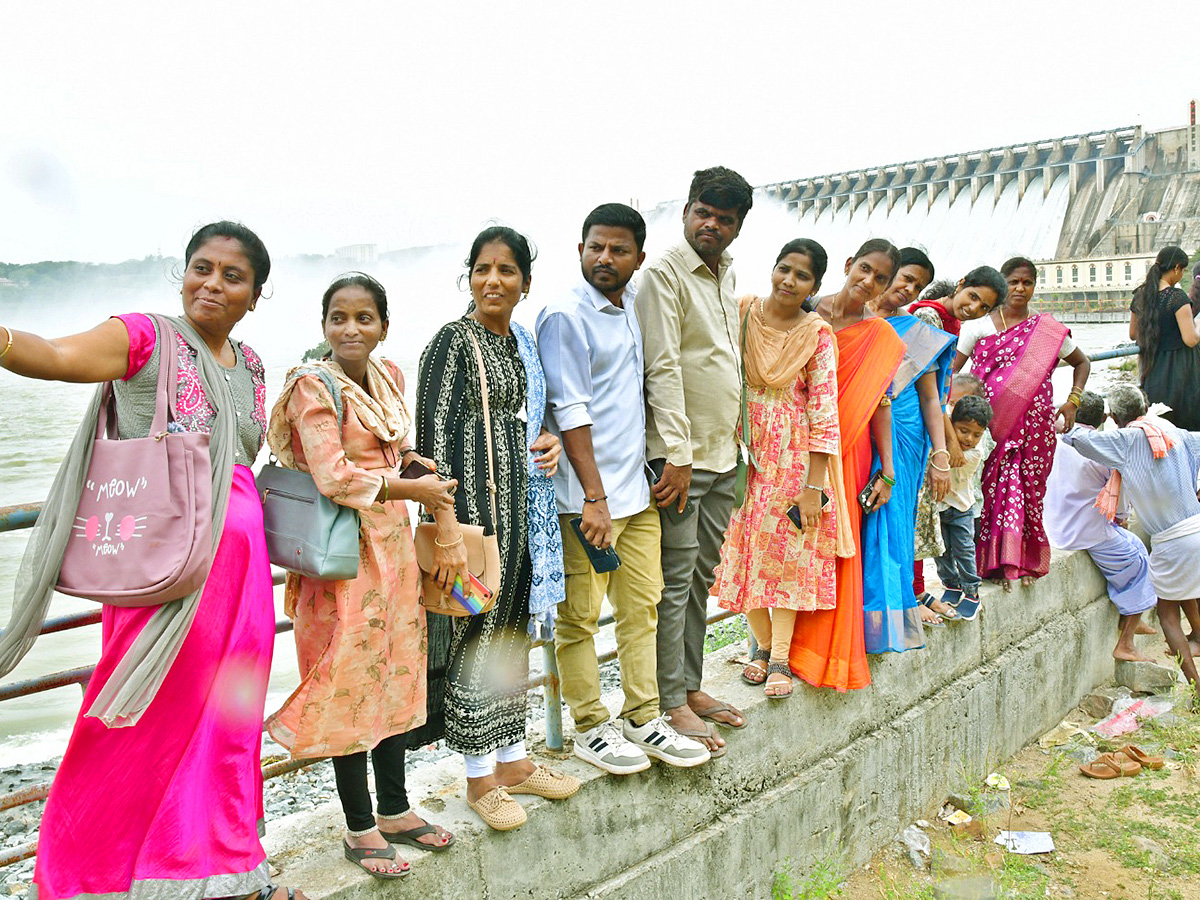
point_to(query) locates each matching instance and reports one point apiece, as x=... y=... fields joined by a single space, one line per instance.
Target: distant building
x=359 y=254
x=1093 y=277
x=6 y=283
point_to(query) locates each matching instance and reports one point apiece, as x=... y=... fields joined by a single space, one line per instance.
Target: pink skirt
x=171 y=806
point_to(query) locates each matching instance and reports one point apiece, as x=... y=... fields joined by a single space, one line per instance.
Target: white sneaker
x=605 y=748
x=658 y=739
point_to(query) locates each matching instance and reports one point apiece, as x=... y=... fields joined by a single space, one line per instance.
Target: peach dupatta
x=828 y=648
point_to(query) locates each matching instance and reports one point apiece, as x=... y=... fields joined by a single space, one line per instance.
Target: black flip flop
x=357 y=855
x=410 y=838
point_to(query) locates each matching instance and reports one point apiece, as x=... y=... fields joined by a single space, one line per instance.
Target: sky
x=125 y=125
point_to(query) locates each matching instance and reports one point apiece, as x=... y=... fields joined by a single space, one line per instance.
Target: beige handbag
x=483 y=550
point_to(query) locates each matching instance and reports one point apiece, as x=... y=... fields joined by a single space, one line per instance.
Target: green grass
x=723 y=633
x=824 y=881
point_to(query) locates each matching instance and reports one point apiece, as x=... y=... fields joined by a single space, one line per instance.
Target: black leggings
x=350 y=772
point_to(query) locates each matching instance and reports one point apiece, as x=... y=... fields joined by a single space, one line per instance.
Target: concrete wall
x=819 y=775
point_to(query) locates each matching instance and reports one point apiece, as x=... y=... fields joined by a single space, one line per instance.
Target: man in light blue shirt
x=591 y=350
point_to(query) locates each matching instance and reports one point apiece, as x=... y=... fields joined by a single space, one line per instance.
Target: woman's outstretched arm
x=101 y=354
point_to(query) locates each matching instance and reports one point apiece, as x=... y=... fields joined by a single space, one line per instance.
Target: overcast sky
x=123 y=125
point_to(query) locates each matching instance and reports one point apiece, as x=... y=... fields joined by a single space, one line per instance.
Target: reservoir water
x=38 y=420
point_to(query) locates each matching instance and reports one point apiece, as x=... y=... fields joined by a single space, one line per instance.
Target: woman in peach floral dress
x=361 y=642
x=770 y=568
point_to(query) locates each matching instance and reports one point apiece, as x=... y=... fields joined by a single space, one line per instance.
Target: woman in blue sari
x=892 y=616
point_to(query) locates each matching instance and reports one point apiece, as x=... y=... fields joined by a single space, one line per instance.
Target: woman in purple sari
x=1015 y=351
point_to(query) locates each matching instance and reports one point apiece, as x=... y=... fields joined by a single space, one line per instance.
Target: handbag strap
x=745 y=441
x=487 y=424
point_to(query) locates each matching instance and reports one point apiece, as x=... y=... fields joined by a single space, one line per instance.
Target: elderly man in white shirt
x=591 y=351
x=1074 y=523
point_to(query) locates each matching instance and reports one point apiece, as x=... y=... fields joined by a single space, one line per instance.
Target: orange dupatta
x=827 y=646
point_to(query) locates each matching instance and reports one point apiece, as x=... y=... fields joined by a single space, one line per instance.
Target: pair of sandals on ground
x=1123 y=763
x=952 y=606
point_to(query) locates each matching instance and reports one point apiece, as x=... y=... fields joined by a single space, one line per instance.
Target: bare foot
x=1145 y=628
x=1193 y=647
x=707 y=706
x=375 y=841
x=410 y=820
x=928 y=616
x=691 y=725
x=1027 y=580
x=1007 y=584
x=1129 y=654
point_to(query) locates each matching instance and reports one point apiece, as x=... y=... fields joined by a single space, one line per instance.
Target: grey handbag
x=307 y=533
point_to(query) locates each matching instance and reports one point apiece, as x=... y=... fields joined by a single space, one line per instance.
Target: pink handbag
x=143 y=529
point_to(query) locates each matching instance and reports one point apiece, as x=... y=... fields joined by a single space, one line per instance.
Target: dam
x=1091 y=209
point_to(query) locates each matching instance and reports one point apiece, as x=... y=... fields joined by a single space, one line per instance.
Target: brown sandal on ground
x=755 y=674
x=772 y=688
x=498 y=810
x=548 y=783
x=1140 y=756
x=1109 y=765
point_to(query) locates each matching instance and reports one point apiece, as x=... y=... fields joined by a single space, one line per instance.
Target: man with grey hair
x=1157 y=464
x=1074 y=523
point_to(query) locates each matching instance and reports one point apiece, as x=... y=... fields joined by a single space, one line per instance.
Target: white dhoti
x=1175 y=561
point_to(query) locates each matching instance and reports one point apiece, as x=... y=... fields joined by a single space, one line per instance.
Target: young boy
x=956 y=567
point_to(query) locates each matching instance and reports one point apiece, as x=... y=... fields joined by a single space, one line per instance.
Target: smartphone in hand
x=794 y=512
x=472 y=596
x=602 y=560
x=654 y=471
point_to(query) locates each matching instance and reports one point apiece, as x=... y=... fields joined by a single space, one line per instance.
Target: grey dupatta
x=132 y=686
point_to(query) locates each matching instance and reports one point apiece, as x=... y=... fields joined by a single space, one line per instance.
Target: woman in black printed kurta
x=486 y=671
x=482 y=690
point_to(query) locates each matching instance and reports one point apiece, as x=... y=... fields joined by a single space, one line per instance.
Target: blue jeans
x=956 y=567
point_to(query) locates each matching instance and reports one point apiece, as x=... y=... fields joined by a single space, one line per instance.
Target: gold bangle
x=885 y=400
x=8 y=345
x=453 y=543
x=387 y=491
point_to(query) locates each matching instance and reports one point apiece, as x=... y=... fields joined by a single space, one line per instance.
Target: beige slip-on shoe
x=548 y=783
x=498 y=810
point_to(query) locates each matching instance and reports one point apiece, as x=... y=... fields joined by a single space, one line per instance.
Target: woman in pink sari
x=159 y=793
x=1015 y=351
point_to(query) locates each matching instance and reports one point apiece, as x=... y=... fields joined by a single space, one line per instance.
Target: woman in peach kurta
x=770 y=568
x=361 y=642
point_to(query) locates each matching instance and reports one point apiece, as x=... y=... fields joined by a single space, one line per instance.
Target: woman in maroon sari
x=1015 y=351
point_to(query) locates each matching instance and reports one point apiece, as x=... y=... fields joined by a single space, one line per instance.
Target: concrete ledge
x=819 y=775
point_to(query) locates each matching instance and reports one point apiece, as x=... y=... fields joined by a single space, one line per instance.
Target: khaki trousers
x=634 y=590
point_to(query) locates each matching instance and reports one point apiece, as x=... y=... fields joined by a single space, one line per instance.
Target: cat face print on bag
x=104 y=531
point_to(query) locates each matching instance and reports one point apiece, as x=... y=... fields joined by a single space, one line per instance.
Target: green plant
x=723 y=633
x=824 y=881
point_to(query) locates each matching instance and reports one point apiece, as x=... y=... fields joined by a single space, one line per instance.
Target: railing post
x=552 y=696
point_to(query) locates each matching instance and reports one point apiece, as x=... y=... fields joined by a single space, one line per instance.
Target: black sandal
x=359 y=856
x=411 y=837
x=271 y=890
x=759 y=655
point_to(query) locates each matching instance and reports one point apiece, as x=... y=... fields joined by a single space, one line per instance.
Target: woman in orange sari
x=828 y=648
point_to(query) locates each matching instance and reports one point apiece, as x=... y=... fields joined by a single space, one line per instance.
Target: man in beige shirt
x=689 y=320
